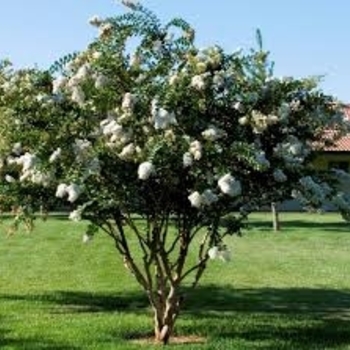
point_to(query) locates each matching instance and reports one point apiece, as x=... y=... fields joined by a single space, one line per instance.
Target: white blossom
x=55 y=155
x=61 y=190
x=17 y=148
x=164 y=118
x=196 y=199
x=212 y=133
x=111 y=127
x=129 y=101
x=87 y=238
x=81 y=147
x=27 y=161
x=96 y=55
x=238 y=106
x=83 y=72
x=198 y=82
x=229 y=185
x=9 y=178
x=196 y=149
x=213 y=252
x=73 y=191
x=25 y=176
x=58 y=84
x=40 y=178
x=243 y=120
x=78 y=95
x=220 y=252
x=187 y=159
x=173 y=79
x=161 y=117
x=145 y=170
x=128 y=152
x=75 y=215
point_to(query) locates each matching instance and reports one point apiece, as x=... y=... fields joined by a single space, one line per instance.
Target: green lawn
x=288 y=290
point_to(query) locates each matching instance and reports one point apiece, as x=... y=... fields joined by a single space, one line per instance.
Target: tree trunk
x=165 y=315
x=275 y=217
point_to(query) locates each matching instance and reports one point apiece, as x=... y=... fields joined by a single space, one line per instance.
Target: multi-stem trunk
x=166 y=311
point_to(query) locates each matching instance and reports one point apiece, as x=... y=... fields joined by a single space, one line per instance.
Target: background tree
x=142 y=123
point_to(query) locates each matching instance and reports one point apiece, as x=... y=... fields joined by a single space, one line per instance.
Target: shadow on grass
x=30 y=343
x=311 y=226
x=207 y=301
x=265 y=318
x=76 y=302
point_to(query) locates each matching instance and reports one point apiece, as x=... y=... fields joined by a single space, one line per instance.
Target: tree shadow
x=308 y=301
x=293 y=318
x=310 y=227
x=80 y=302
x=6 y=339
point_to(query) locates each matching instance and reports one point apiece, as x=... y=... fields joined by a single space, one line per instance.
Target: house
x=337 y=156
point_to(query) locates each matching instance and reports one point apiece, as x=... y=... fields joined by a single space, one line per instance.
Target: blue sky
x=305 y=37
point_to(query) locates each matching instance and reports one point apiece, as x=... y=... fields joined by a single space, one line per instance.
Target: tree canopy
x=143 y=123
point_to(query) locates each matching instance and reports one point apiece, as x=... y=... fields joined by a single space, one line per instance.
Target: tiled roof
x=343 y=144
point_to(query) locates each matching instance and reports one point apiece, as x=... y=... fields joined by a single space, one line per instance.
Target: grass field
x=288 y=290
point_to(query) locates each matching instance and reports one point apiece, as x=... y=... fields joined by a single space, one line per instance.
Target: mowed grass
x=287 y=290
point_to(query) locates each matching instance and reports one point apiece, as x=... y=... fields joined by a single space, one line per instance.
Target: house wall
x=323 y=160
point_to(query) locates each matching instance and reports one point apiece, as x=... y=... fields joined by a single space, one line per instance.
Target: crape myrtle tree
x=144 y=124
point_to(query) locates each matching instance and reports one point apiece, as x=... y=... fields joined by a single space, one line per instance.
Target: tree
x=142 y=123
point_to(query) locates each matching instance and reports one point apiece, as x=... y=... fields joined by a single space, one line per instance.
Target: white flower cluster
x=73 y=85
x=196 y=150
x=187 y=159
x=129 y=101
x=212 y=133
x=30 y=172
x=117 y=135
x=207 y=198
x=73 y=191
x=259 y=121
x=230 y=186
x=75 y=215
x=27 y=161
x=293 y=151
x=220 y=252
x=198 y=82
x=161 y=117
x=145 y=170
x=55 y=155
